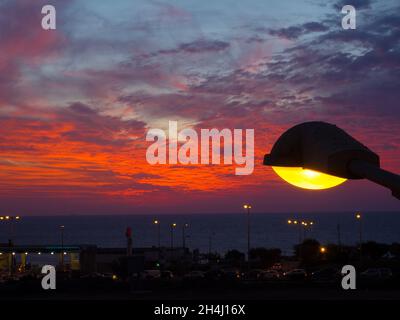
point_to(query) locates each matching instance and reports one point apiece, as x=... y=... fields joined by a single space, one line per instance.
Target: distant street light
x=210 y=239
x=322 y=250
x=173 y=226
x=11 y=220
x=319 y=155
x=156 y=222
x=247 y=207
x=184 y=227
x=359 y=219
x=303 y=225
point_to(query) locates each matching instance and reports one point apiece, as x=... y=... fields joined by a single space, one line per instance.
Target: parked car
x=270 y=275
x=277 y=267
x=376 y=274
x=326 y=275
x=151 y=274
x=194 y=275
x=295 y=274
x=231 y=274
x=166 y=274
x=253 y=274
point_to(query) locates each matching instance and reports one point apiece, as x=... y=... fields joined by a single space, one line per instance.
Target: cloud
x=358 y=4
x=294 y=32
x=75 y=108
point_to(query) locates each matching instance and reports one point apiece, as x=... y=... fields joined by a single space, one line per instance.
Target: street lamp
x=303 y=225
x=156 y=222
x=210 y=239
x=318 y=155
x=184 y=227
x=247 y=207
x=10 y=219
x=295 y=223
x=173 y=226
x=358 y=218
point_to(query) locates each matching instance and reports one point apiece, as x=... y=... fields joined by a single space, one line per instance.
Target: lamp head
x=316 y=155
x=319 y=146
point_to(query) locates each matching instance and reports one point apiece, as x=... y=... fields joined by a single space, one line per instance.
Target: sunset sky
x=76 y=102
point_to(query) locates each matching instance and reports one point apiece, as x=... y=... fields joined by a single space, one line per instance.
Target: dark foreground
x=194 y=291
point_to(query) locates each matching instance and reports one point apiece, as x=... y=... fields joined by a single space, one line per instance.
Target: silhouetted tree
x=234 y=257
x=338 y=254
x=374 y=250
x=308 y=252
x=264 y=257
x=395 y=249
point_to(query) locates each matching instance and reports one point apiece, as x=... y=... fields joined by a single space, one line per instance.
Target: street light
x=11 y=219
x=359 y=219
x=318 y=155
x=210 y=239
x=322 y=250
x=303 y=225
x=173 y=226
x=184 y=226
x=247 y=207
x=157 y=223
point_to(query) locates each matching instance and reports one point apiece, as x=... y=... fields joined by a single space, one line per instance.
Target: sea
x=215 y=232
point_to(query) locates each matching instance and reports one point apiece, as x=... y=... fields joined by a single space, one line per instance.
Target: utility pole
x=248 y=207
x=339 y=235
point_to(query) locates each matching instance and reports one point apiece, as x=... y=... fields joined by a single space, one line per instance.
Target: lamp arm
x=373 y=173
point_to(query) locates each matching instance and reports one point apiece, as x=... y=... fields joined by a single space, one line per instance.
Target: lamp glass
x=308 y=179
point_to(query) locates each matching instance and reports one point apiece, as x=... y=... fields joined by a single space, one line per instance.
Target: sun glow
x=308 y=179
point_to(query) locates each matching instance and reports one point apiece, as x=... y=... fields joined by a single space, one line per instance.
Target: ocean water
x=226 y=231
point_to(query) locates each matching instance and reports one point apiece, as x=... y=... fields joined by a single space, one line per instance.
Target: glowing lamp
x=308 y=179
x=318 y=155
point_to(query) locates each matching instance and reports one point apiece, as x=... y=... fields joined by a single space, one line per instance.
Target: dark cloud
x=357 y=4
x=24 y=44
x=199 y=46
x=92 y=127
x=82 y=108
x=294 y=32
